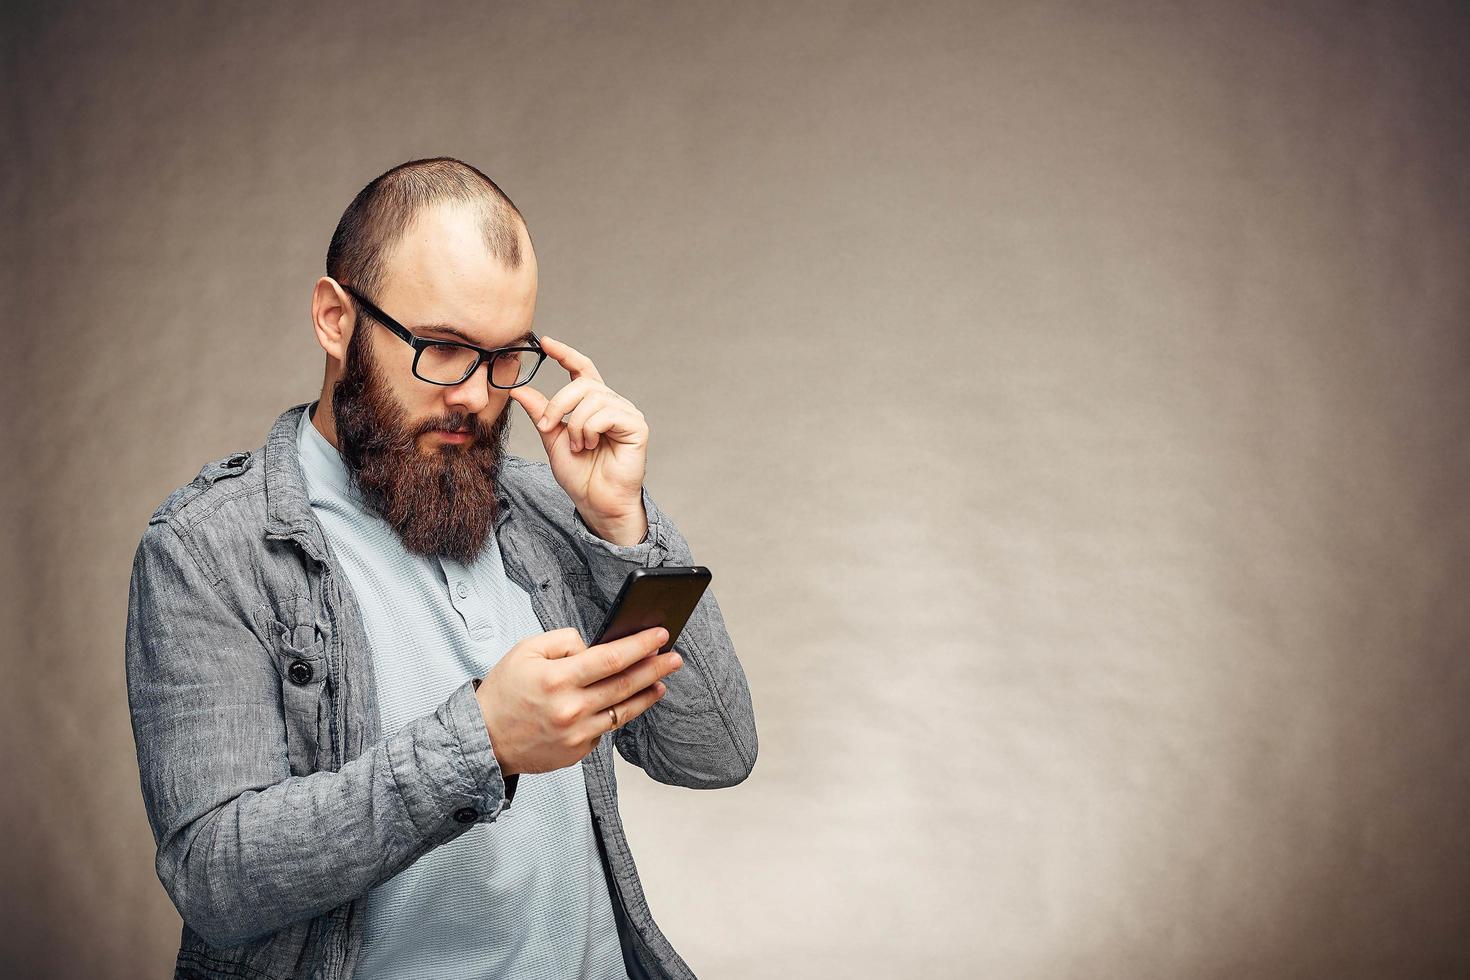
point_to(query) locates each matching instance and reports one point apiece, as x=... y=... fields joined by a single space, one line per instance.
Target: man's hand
x=545 y=703
x=597 y=443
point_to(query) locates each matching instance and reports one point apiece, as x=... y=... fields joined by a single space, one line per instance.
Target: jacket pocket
x=300 y=658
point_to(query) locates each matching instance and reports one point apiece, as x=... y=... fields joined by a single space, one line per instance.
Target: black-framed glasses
x=449 y=362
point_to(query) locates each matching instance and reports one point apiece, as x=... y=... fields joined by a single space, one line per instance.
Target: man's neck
x=325 y=424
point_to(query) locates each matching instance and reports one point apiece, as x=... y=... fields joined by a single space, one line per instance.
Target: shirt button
x=466 y=814
x=300 y=672
x=463 y=590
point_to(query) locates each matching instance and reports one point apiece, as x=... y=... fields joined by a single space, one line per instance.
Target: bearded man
x=351 y=649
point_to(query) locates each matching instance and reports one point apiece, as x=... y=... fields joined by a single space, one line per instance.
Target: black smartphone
x=663 y=596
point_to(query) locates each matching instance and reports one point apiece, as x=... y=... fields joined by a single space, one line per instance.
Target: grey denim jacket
x=275 y=803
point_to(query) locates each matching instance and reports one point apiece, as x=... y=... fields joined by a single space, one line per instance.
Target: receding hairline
x=374 y=224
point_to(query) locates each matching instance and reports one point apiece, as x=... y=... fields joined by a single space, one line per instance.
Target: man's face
x=439 y=496
x=435 y=490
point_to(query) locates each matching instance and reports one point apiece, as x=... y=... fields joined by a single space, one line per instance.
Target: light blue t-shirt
x=521 y=897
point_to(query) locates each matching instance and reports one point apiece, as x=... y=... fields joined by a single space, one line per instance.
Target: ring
x=614 y=713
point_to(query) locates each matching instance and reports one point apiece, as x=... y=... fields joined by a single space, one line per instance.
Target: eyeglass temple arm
x=408 y=335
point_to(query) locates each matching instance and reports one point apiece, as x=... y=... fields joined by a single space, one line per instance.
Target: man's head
x=438 y=247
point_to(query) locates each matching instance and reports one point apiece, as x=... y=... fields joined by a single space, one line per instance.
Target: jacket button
x=466 y=814
x=300 y=672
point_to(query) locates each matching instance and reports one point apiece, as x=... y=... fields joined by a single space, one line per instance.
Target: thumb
x=556 y=644
x=534 y=403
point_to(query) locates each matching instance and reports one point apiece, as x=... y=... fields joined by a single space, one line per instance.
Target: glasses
x=447 y=362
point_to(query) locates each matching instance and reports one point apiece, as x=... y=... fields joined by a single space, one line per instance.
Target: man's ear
x=333 y=317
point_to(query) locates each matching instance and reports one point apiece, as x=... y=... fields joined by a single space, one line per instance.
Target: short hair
x=382 y=211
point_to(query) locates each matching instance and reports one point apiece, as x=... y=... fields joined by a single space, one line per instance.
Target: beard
x=440 y=503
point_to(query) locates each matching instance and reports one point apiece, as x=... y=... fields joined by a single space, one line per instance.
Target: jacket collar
x=287 y=509
x=288 y=513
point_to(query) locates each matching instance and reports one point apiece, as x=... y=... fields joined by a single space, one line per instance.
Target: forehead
x=440 y=272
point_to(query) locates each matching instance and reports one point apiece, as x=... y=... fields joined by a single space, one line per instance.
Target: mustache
x=458 y=422
x=383 y=439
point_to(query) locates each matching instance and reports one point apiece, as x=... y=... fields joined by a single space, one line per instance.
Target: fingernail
x=677 y=661
x=662 y=687
x=544 y=423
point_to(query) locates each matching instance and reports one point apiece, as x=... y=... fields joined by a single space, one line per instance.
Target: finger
x=599 y=723
x=577 y=420
x=612 y=419
x=563 y=402
x=578 y=365
x=624 y=684
x=606 y=659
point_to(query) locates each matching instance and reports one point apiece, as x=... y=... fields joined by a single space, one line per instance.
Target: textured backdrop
x=1070 y=400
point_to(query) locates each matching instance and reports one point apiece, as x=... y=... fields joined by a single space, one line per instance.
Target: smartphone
x=663 y=596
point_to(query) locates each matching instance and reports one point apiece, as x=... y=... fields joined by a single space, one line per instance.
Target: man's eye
x=444 y=364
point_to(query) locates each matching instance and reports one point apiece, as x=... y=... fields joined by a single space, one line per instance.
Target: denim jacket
x=275 y=803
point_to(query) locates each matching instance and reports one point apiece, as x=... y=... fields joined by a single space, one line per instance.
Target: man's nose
x=474 y=393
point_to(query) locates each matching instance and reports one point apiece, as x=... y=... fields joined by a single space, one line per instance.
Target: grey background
x=1069 y=399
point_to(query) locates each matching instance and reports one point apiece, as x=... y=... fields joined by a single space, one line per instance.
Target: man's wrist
x=626 y=532
x=511 y=778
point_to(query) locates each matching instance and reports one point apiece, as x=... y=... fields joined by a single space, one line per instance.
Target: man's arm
x=701 y=733
x=244 y=847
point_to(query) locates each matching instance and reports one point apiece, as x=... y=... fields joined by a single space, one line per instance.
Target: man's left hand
x=597 y=443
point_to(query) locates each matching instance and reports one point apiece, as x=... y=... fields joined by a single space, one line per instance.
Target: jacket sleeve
x=701 y=733
x=244 y=848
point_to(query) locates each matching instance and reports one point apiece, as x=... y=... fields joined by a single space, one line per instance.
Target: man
x=350 y=651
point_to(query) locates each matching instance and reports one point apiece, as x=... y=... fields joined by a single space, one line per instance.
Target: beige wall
x=1071 y=402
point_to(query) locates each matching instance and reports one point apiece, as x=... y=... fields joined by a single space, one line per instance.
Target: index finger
x=606 y=659
x=578 y=365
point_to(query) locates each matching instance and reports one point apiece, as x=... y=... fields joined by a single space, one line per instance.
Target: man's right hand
x=545 y=703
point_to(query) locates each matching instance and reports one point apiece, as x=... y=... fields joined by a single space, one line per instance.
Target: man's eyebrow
x=453 y=331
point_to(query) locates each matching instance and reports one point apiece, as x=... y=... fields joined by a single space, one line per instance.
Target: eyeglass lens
x=447 y=364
